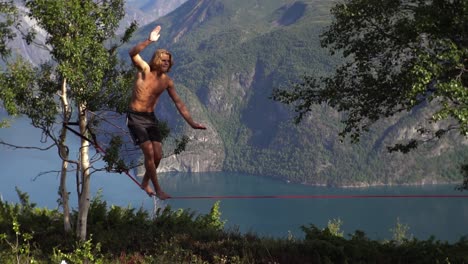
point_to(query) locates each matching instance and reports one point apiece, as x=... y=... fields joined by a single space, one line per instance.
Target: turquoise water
x=445 y=218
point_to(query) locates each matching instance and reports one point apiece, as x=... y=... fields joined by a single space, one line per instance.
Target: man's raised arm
x=135 y=51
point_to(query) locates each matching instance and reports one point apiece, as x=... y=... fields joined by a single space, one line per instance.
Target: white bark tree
x=83 y=75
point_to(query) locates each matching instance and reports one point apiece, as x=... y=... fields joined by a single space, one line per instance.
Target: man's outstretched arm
x=182 y=108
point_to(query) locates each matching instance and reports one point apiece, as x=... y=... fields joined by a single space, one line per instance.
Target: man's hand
x=154 y=35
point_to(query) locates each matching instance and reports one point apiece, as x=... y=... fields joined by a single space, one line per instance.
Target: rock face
x=31 y=53
x=205 y=149
x=141 y=11
x=192 y=161
x=146 y=11
x=204 y=152
x=198 y=13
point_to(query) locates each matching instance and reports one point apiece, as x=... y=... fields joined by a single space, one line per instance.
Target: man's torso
x=147 y=89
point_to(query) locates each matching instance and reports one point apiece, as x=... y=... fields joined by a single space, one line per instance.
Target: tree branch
x=47 y=172
x=29 y=37
x=24 y=147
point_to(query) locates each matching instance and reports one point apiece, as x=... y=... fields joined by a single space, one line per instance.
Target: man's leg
x=157 y=150
x=148 y=153
x=152 y=152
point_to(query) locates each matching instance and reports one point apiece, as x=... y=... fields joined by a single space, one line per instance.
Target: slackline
x=358 y=196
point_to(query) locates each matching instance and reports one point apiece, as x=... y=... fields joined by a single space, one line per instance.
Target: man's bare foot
x=162 y=195
x=148 y=190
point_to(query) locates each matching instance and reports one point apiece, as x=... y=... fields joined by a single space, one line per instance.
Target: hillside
x=141 y=11
x=146 y=11
x=229 y=58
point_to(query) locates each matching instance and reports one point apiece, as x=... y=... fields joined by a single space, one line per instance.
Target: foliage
x=28 y=90
x=94 y=75
x=464 y=170
x=112 y=156
x=126 y=235
x=400 y=232
x=181 y=144
x=20 y=247
x=83 y=74
x=398 y=57
x=334 y=226
x=31 y=219
x=7 y=20
x=213 y=219
x=399 y=54
x=83 y=253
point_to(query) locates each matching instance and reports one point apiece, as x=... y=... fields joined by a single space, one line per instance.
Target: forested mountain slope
x=231 y=55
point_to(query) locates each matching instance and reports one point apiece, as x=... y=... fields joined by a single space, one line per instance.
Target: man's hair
x=156 y=63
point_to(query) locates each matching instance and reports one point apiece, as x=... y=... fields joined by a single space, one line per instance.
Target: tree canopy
x=398 y=55
x=8 y=19
x=83 y=74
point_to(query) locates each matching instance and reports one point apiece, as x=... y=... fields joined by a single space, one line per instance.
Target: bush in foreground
x=127 y=235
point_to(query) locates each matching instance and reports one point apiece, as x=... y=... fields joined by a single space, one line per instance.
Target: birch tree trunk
x=84 y=191
x=64 y=156
x=83 y=77
x=64 y=192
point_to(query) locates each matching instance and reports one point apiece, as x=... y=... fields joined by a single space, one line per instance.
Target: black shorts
x=143 y=126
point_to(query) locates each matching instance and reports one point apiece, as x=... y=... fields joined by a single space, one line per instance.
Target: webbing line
x=359 y=196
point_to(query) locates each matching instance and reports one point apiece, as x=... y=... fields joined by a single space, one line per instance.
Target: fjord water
x=445 y=218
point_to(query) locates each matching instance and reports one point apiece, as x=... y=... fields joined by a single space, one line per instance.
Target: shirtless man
x=151 y=81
